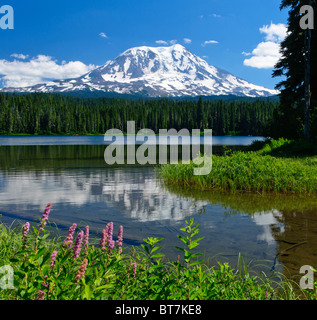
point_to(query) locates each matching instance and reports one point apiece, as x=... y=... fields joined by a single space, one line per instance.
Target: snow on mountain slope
x=156 y=72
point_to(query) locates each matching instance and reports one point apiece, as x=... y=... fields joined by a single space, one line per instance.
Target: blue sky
x=71 y=37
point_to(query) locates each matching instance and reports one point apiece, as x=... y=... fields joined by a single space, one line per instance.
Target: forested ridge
x=57 y=114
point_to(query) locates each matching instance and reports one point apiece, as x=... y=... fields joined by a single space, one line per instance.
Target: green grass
x=252 y=171
x=138 y=274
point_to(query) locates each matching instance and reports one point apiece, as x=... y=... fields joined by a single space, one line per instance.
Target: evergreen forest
x=46 y=114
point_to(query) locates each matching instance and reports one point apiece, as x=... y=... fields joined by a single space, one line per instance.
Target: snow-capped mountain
x=156 y=72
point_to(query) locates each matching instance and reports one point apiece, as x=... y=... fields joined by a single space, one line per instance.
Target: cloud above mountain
x=209 y=42
x=22 y=72
x=103 y=35
x=166 y=43
x=267 y=53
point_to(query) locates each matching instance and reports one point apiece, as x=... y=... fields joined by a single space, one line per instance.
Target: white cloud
x=275 y=32
x=39 y=69
x=166 y=43
x=265 y=56
x=209 y=42
x=216 y=15
x=161 y=42
x=103 y=35
x=267 y=53
x=187 y=41
x=19 y=56
x=268 y=48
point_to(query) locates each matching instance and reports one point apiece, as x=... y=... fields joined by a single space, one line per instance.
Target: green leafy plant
x=191 y=231
x=46 y=268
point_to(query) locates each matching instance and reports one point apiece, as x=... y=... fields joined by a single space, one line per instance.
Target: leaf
x=145 y=248
x=40 y=260
x=35 y=230
x=155 y=266
x=158 y=255
x=183 y=239
x=20 y=274
x=106 y=286
x=181 y=249
x=155 y=249
x=22 y=293
x=46 y=257
x=194 y=233
x=196 y=262
x=152 y=241
x=41 y=251
x=193 y=245
x=44 y=237
x=65 y=257
x=31 y=290
x=88 y=292
x=198 y=239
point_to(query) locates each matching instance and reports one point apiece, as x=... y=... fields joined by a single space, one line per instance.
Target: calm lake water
x=275 y=232
x=99 y=140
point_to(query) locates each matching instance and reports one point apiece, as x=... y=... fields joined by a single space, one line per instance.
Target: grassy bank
x=76 y=268
x=274 y=166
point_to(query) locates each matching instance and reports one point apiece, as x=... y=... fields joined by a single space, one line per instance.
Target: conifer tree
x=297 y=116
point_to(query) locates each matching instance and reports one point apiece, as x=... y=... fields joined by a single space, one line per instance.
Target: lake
x=99 y=140
x=273 y=232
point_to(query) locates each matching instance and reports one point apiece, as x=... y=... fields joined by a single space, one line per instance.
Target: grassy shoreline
x=273 y=168
x=45 y=268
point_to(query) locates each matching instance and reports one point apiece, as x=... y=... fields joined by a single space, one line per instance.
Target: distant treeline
x=58 y=114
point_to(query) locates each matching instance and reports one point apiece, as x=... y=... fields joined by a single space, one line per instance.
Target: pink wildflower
x=40 y=295
x=103 y=240
x=53 y=258
x=26 y=229
x=81 y=272
x=86 y=239
x=45 y=215
x=110 y=246
x=69 y=240
x=77 y=246
x=45 y=284
x=110 y=232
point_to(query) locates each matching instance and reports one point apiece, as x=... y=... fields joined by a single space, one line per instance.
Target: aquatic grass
x=248 y=172
x=46 y=270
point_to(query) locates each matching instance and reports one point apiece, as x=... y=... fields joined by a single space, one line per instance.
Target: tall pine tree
x=294 y=119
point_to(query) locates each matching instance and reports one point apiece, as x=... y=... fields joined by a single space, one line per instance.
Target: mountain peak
x=166 y=71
